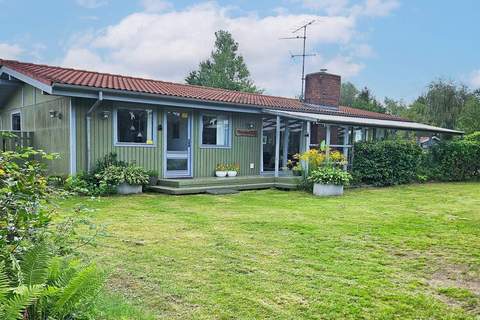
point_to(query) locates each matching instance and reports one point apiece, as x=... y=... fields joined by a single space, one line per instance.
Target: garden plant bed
x=407 y=252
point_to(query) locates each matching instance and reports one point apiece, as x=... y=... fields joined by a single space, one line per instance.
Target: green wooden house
x=179 y=130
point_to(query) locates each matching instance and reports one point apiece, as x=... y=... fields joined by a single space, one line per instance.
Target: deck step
x=212 y=181
x=203 y=189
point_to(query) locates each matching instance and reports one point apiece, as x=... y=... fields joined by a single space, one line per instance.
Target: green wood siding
x=102 y=137
x=244 y=150
x=50 y=134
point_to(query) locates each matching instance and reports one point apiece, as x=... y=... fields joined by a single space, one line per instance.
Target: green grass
x=410 y=252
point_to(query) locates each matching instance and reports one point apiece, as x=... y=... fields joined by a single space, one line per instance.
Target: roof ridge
x=146 y=79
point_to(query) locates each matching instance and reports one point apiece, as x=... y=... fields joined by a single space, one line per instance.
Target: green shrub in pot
x=330 y=175
x=116 y=175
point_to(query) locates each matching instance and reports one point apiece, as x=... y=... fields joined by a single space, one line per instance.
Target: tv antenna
x=303 y=55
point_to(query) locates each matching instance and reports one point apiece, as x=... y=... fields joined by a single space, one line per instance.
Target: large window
x=215 y=130
x=134 y=126
x=16 y=121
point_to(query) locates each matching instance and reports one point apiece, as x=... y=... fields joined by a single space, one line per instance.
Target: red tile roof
x=51 y=75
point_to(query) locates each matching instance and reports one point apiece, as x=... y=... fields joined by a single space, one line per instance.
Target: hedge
x=457 y=160
x=391 y=162
x=387 y=162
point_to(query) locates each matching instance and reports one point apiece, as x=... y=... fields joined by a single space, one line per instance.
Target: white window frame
x=19 y=112
x=153 y=122
x=229 y=131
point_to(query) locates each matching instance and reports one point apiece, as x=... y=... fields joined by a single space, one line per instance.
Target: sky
x=394 y=47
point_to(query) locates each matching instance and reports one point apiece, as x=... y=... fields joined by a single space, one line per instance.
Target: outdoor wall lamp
x=55 y=114
x=251 y=125
x=105 y=114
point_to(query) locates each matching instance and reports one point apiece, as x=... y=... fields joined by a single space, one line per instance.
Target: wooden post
x=277 y=146
x=327 y=142
x=346 y=140
x=286 y=137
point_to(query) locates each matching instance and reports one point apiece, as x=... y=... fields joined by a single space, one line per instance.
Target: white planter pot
x=325 y=190
x=126 y=188
x=221 y=174
x=232 y=173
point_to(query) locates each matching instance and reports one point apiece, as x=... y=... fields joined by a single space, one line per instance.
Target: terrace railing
x=12 y=140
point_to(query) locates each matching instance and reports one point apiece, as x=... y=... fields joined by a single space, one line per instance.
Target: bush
x=23 y=187
x=108 y=173
x=456 y=160
x=36 y=282
x=330 y=175
x=116 y=175
x=475 y=136
x=388 y=162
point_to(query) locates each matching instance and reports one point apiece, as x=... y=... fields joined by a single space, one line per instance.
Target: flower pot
x=232 y=173
x=126 y=188
x=152 y=180
x=325 y=190
x=297 y=173
x=221 y=174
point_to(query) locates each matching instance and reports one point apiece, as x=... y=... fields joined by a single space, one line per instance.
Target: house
x=179 y=130
x=428 y=141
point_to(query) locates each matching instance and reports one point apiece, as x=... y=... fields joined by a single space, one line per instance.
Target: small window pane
x=134 y=126
x=177 y=164
x=215 y=130
x=16 y=122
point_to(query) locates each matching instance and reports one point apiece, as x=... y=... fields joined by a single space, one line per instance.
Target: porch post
x=327 y=141
x=346 y=140
x=277 y=146
x=307 y=142
x=286 y=137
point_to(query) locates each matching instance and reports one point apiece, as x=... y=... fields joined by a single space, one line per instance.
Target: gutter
x=88 y=129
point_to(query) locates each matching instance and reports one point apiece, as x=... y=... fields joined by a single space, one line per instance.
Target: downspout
x=88 y=129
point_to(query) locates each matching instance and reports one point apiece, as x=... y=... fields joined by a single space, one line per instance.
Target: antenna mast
x=303 y=55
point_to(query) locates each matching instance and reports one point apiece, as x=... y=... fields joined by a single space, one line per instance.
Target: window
x=134 y=126
x=16 y=121
x=215 y=130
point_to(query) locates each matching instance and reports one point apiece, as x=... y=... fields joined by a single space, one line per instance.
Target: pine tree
x=225 y=69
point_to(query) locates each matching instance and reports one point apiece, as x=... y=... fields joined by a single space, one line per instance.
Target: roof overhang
x=149 y=98
x=345 y=120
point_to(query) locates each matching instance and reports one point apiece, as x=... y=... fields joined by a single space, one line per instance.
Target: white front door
x=177 y=144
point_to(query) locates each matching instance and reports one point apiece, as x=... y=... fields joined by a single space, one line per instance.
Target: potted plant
x=233 y=170
x=221 y=170
x=297 y=170
x=329 y=181
x=152 y=177
x=127 y=179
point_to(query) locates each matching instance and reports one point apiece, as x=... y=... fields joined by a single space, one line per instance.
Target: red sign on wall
x=246 y=132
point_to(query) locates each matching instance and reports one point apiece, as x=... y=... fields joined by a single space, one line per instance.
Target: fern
x=34 y=265
x=84 y=285
x=23 y=297
x=4 y=283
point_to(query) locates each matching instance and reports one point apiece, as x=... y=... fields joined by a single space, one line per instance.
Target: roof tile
x=50 y=75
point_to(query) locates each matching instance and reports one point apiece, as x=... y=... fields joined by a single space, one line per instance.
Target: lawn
x=409 y=252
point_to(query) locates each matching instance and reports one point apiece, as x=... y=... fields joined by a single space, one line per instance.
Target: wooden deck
x=202 y=185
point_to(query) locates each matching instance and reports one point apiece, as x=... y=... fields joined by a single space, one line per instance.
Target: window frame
x=117 y=143
x=19 y=112
x=230 y=129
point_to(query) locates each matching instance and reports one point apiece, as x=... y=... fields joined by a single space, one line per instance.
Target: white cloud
x=378 y=8
x=10 y=51
x=475 y=79
x=91 y=4
x=169 y=43
x=156 y=5
x=369 y=8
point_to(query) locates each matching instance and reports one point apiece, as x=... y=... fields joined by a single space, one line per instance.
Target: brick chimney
x=323 y=88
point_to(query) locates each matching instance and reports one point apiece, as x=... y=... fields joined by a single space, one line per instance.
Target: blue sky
x=395 y=47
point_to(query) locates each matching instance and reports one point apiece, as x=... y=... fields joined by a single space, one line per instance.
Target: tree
x=445 y=102
x=469 y=119
x=397 y=108
x=225 y=69
x=348 y=94
x=360 y=99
